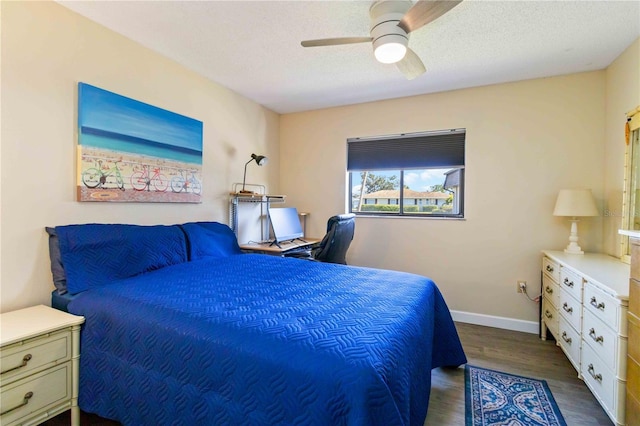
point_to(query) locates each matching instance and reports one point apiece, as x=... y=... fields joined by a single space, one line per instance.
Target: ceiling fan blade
x=335 y=41
x=411 y=65
x=425 y=11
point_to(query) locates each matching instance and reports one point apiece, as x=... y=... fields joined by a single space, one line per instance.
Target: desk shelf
x=257 y=197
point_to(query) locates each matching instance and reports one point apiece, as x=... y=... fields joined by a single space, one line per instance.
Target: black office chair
x=333 y=247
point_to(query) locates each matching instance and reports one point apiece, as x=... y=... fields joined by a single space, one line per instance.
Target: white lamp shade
x=575 y=203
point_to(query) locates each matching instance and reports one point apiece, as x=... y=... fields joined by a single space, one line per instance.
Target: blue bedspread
x=260 y=340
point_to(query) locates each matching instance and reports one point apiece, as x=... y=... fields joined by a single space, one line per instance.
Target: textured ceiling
x=253 y=47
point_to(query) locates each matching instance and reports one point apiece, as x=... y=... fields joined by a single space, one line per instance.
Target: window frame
x=426 y=142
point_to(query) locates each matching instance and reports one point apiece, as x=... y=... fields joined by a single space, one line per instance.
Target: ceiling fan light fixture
x=390 y=49
x=389 y=40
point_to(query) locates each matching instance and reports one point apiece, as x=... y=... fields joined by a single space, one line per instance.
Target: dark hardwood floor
x=513 y=352
x=86 y=419
x=518 y=353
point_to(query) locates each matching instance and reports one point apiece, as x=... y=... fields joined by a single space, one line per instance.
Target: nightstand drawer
x=47 y=388
x=572 y=283
x=21 y=359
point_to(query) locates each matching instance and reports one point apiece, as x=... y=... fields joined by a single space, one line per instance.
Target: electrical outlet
x=522 y=286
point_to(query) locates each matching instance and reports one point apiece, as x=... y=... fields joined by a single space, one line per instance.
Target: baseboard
x=497 y=322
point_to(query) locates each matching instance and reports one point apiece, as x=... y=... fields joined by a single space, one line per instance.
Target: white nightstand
x=39 y=364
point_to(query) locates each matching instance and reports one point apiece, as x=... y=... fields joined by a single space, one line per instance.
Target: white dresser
x=584 y=307
x=39 y=360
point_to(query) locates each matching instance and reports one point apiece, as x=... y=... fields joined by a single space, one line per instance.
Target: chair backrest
x=333 y=247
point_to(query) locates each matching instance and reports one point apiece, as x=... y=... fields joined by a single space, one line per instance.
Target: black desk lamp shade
x=261 y=160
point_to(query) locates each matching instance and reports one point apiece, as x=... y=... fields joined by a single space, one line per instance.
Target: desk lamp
x=261 y=160
x=575 y=203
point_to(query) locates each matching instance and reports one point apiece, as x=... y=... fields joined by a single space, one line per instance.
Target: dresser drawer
x=633 y=378
x=551 y=269
x=633 y=410
x=610 y=347
x=47 y=388
x=607 y=388
x=606 y=308
x=569 y=341
x=550 y=316
x=24 y=358
x=634 y=297
x=635 y=259
x=571 y=310
x=634 y=336
x=551 y=290
x=571 y=282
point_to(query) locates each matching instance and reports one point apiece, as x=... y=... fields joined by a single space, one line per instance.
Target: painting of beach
x=129 y=151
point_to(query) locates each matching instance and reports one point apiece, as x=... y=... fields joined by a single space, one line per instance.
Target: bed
x=182 y=328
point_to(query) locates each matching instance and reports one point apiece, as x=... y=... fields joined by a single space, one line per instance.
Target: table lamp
x=261 y=160
x=575 y=203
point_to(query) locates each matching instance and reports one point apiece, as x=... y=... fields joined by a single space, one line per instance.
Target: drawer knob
x=598 y=339
x=548 y=314
x=592 y=371
x=25 y=360
x=567 y=308
x=597 y=305
x=549 y=268
x=568 y=283
x=565 y=338
x=25 y=401
x=548 y=289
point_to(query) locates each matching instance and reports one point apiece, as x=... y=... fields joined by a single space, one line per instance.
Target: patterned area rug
x=495 y=398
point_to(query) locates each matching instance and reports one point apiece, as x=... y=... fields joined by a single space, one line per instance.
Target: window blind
x=407 y=151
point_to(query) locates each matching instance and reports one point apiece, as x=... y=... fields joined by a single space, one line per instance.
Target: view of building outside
x=427 y=191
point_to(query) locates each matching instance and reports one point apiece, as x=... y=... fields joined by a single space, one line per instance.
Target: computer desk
x=285 y=247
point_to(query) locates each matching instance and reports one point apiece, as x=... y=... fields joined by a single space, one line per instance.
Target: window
x=416 y=174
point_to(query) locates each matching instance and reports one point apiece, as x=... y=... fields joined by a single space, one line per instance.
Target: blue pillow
x=210 y=240
x=95 y=255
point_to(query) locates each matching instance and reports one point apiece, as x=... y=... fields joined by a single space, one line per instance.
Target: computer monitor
x=285 y=224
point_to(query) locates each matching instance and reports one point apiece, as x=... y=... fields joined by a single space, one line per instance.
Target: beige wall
x=623 y=95
x=525 y=141
x=46 y=51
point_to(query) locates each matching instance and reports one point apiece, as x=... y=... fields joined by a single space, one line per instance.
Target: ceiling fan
x=391 y=23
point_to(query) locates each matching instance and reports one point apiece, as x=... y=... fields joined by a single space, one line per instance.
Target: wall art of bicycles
x=129 y=151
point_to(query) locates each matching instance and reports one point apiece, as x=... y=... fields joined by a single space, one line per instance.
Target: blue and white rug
x=496 y=398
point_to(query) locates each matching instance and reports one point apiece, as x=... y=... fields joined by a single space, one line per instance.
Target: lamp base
x=243 y=191
x=573 y=247
x=573 y=250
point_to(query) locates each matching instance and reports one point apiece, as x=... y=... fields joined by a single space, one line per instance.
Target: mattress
x=261 y=340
